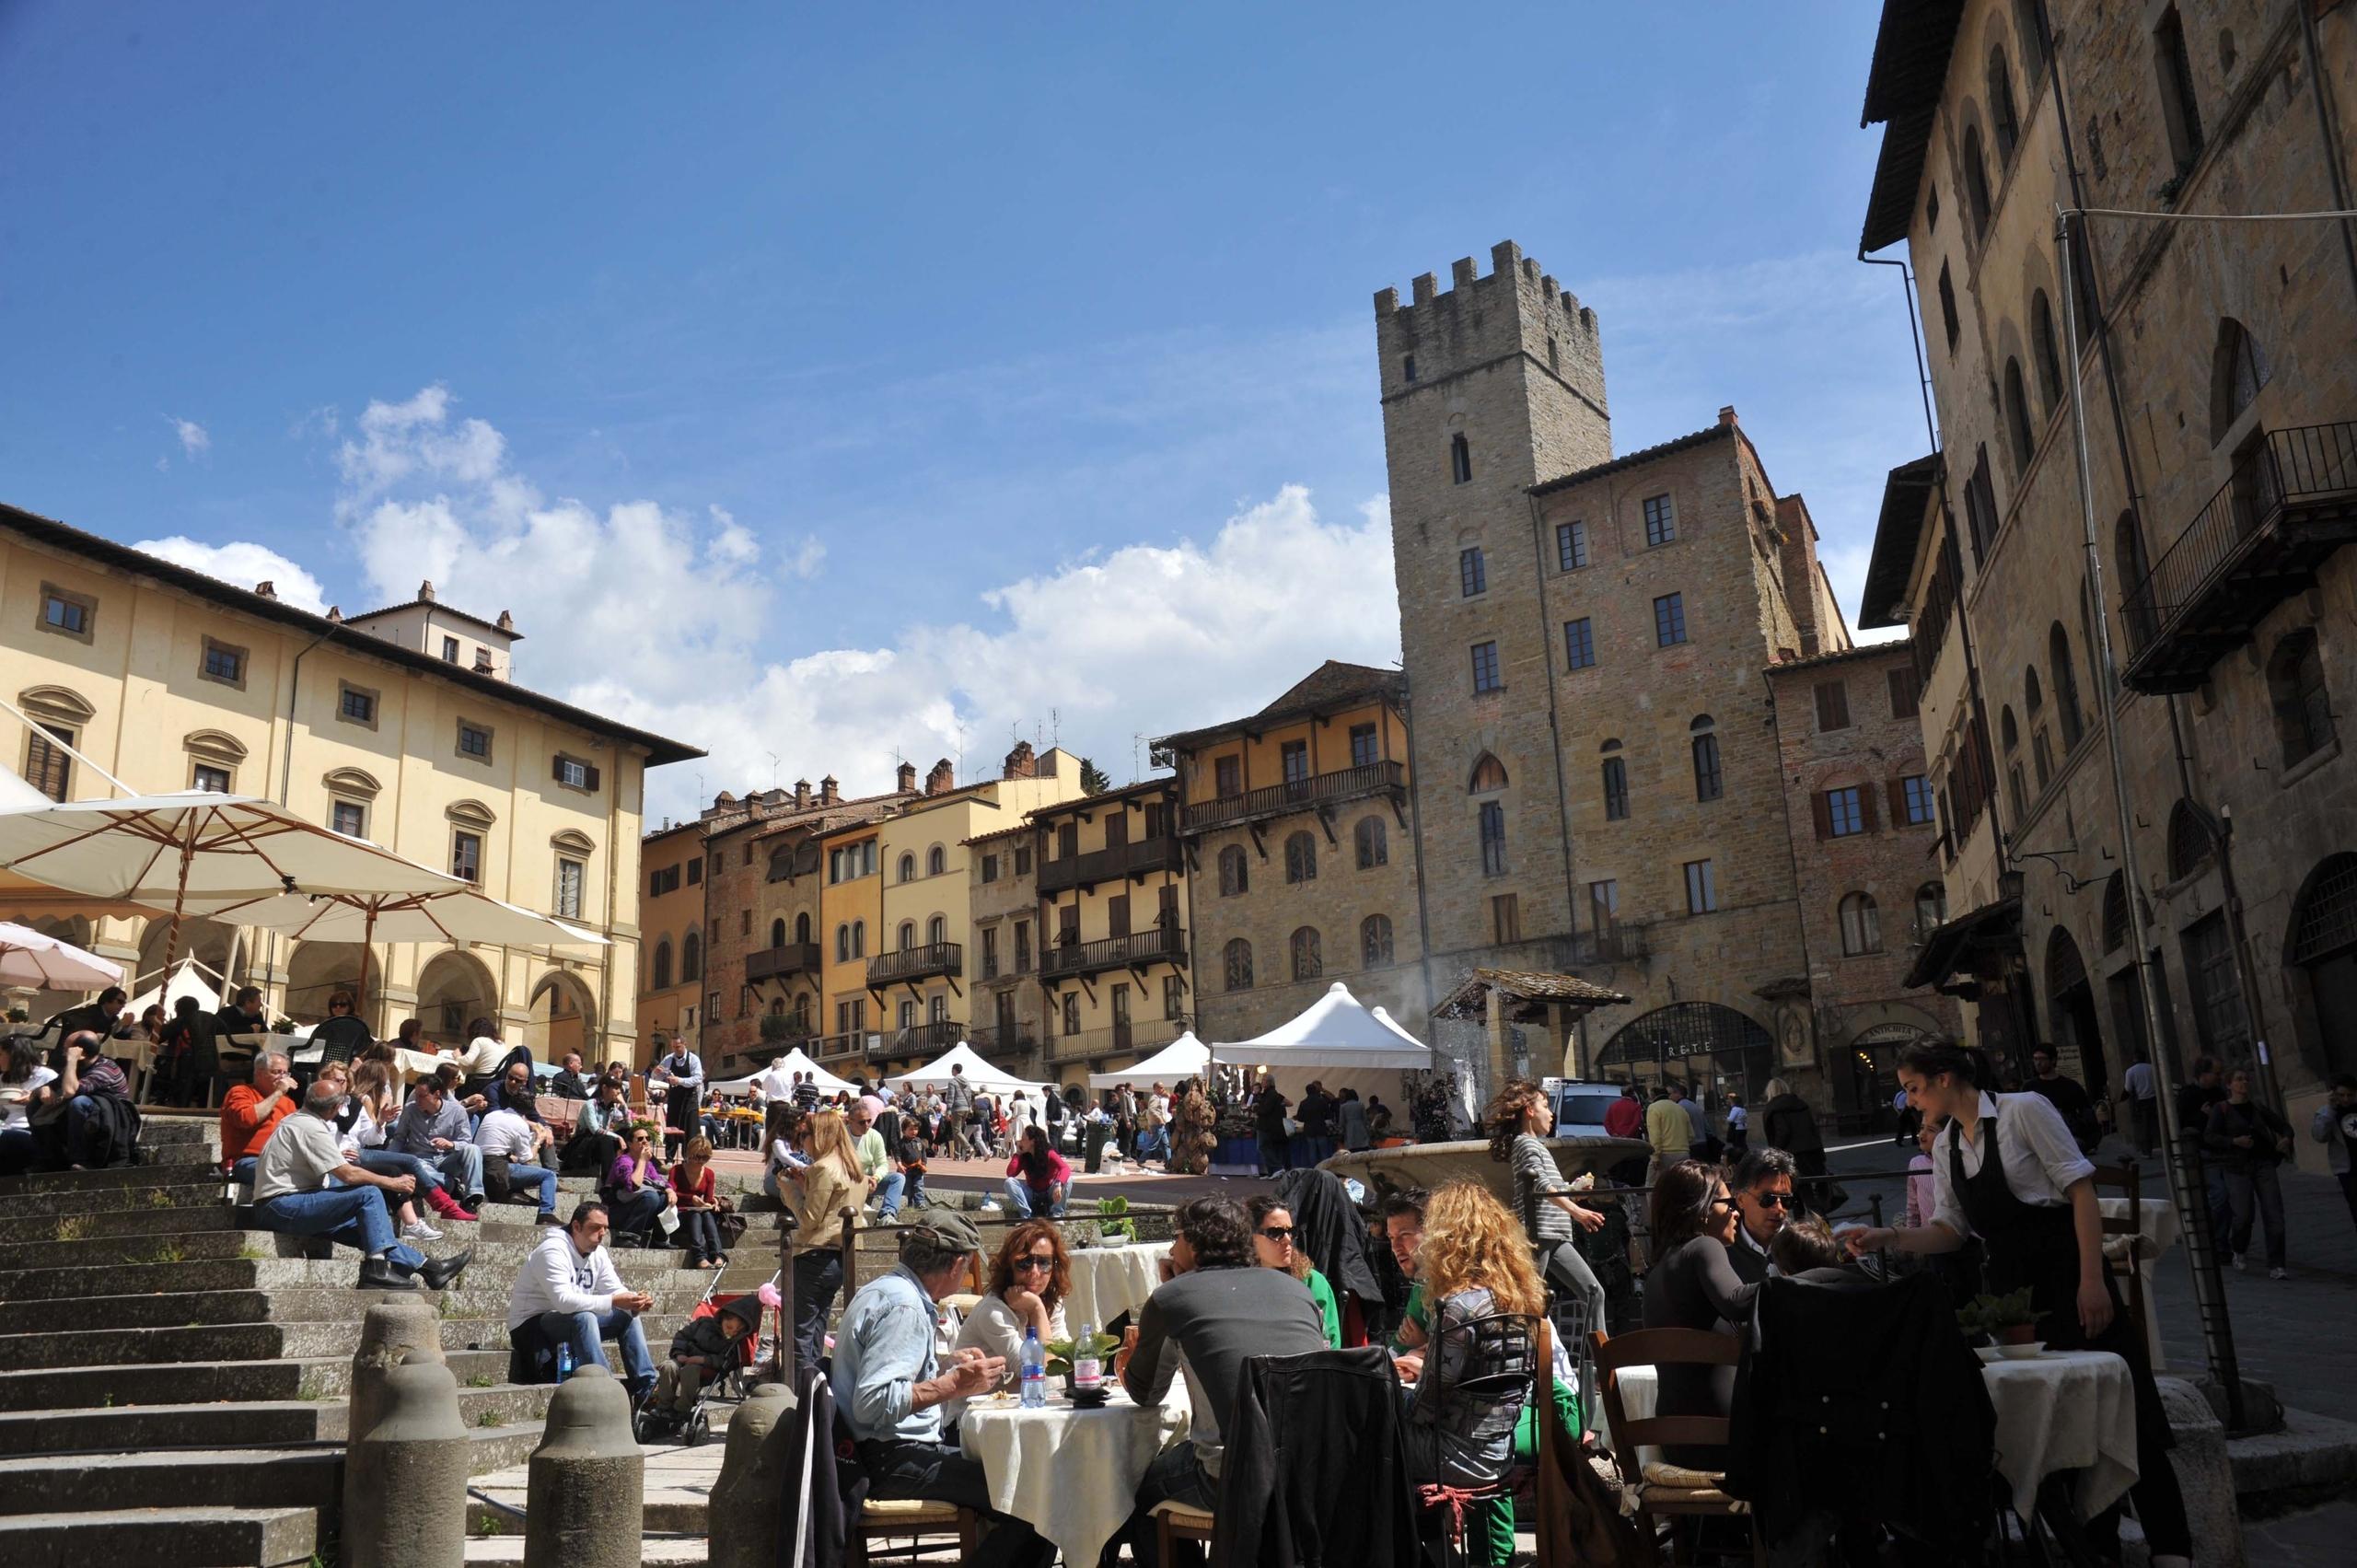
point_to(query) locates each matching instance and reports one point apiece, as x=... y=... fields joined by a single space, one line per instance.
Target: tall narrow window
x=1669 y=620
x=466 y=856
x=1307 y=962
x=2180 y=111
x=1616 y=789
x=1485 y=668
x=2044 y=350
x=1364 y=746
x=1702 y=887
x=1371 y=843
x=1708 y=784
x=1948 y=318
x=2005 y=122
x=1832 y=705
x=1604 y=904
x=1293 y=757
x=2018 y=421
x=48 y=768
x=1906 y=691
x=1976 y=181
x=1235 y=960
x=1234 y=875
x=1408 y=368
x=1375 y=941
x=2295 y=688
x=1579 y=644
x=1228 y=774
x=1493 y=821
x=691 y=957
x=1460 y=460
x=1915 y=801
x=1932 y=908
x=1570 y=546
x=1981 y=505
x=1506 y=919
x=1301 y=858
x=2066 y=685
x=2237 y=373
x=1844 y=812
x=1472 y=575
x=1661 y=521
x=1861 y=924
x=571 y=876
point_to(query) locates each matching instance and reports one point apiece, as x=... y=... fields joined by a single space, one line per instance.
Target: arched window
x=777 y=932
x=2237 y=372
x=777 y=1007
x=1931 y=907
x=691 y=957
x=1375 y=941
x=1709 y=785
x=908 y=867
x=1373 y=846
x=2115 y=913
x=1976 y=181
x=1235 y=875
x=936 y=861
x=2296 y=690
x=1307 y=963
x=2041 y=754
x=1235 y=960
x=2005 y=122
x=1460 y=460
x=859 y=938
x=1301 y=858
x=2018 y=421
x=1861 y=924
x=1493 y=825
x=1489 y=773
x=2045 y=350
x=1616 y=789
x=2028 y=28
x=907 y=935
x=2009 y=735
x=802 y=927
x=2190 y=840
x=843 y=943
x=2066 y=686
x=663 y=965
x=936 y=931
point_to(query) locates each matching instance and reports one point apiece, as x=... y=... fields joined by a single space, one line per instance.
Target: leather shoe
x=439 y=1271
x=376 y=1273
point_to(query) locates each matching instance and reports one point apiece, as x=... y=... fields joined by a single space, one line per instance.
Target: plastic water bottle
x=564 y=1362
x=1087 y=1370
x=1034 y=1370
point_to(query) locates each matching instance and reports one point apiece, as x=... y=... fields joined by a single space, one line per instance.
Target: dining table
x=2055 y=1410
x=1109 y=1281
x=1071 y=1473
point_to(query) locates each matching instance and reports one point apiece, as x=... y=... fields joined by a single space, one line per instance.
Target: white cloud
x=661 y=619
x=241 y=565
x=195 y=441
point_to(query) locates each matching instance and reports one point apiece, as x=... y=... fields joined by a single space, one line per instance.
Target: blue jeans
x=587 y=1331
x=77 y=1129
x=636 y=1211
x=520 y=1175
x=385 y=1162
x=818 y=1275
x=350 y=1216
x=1024 y=1202
x=890 y=1188
x=241 y=1171
x=1154 y=1145
x=461 y=1168
x=17 y=1151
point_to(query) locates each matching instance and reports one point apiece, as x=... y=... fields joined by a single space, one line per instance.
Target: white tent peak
x=1185 y=1057
x=1335 y=1031
x=979 y=1074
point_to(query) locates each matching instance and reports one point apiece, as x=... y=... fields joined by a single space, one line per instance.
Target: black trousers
x=900 y=1467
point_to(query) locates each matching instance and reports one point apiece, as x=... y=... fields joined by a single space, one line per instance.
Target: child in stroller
x=718 y=1340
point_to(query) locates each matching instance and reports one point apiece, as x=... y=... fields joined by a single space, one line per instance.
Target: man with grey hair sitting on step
x=893 y=1385
x=304 y=1185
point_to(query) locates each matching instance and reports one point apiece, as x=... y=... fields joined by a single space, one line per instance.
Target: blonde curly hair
x=1472 y=1239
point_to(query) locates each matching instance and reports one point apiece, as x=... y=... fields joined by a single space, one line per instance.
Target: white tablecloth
x=1109 y=1281
x=1071 y=1474
x=2065 y=1410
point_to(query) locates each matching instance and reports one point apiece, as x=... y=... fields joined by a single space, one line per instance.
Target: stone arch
x=319 y=969
x=1705 y=1043
x=1488 y=774
x=214 y=746
x=572 y=841
x=2072 y=1015
x=358 y=783
x=452 y=987
x=59 y=704
x=471 y=813
x=2321 y=963
x=562 y=1016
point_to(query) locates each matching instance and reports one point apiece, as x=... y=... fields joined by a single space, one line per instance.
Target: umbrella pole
x=180 y=902
x=367 y=935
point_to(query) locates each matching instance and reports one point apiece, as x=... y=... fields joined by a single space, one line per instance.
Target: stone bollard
x=586 y=1504
x=2205 y=1474
x=390 y=1334
x=412 y=1464
x=742 y=1511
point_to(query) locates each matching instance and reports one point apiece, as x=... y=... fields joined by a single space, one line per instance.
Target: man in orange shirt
x=252 y=1111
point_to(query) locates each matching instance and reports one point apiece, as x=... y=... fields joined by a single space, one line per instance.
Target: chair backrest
x=1483 y=1395
x=1660 y=1347
x=2124 y=1180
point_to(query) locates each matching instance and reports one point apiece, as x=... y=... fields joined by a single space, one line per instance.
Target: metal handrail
x=910 y=963
x=1294 y=795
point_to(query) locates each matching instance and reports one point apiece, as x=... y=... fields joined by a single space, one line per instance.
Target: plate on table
x=2029 y=1352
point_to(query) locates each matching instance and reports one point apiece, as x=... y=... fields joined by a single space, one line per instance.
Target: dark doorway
x=2077 y=1030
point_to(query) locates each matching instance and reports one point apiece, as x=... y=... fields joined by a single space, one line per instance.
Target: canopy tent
x=1334 y=1031
x=1185 y=1057
x=978 y=1074
x=190 y=978
x=793 y=1061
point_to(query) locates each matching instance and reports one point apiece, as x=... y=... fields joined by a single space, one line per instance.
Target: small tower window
x=1460 y=460
x=1408 y=368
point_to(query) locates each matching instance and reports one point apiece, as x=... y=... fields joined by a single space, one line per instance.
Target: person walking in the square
x=2335 y=1126
x=2250 y=1141
x=2144 y=1087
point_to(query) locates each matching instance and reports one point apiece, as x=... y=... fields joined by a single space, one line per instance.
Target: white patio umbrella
x=44 y=963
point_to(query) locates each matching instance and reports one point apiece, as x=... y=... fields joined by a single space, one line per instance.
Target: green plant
x=73 y=1227
x=1112 y=1221
x=490 y=1418
x=483 y=1380
x=159 y=1199
x=1992 y=1315
x=255 y=1252
x=1061 y=1352
x=166 y=1252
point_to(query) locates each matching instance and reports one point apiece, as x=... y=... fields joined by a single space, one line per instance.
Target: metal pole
x=2269 y=1094
x=2192 y=1202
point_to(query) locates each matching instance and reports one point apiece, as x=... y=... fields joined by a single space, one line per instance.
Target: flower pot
x=2018 y=1334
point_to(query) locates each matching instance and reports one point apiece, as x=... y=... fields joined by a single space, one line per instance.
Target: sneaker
x=447 y=1207
x=418 y=1230
x=2278 y=1273
x=2240 y=1267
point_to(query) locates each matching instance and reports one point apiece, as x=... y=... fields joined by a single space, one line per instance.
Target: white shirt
x=775 y=1083
x=2138 y=1080
x=2042 y=1158
x=507 y=1132
x=15 y=1096
x=557 y=1278
x=1737 y=1118
x=482 y=1053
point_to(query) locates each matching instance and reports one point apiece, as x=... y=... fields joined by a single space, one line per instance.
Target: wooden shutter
x=1821 y=810
x=593 y=779
x=1897 y=802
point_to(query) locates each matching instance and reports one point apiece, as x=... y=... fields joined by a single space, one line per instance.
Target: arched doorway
x=319 y=969
x=2322 y=955
x=563 y=1016
x=453 y=988
x=1714 y=1050
x=218 y=947
x=2071 y=1017
x=1867 y=1079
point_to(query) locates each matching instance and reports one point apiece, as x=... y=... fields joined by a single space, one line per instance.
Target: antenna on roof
x=772 y=757
x=1056 y=725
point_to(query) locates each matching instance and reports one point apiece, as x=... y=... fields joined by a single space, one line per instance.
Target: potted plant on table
x=1113 y=1225
x=2009 y=1320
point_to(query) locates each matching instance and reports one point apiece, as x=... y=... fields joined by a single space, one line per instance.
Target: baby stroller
x=659 y=1420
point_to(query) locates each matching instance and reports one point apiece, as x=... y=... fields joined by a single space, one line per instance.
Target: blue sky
x=850 y=382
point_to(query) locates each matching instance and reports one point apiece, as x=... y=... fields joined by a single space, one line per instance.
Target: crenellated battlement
x=1468 y=287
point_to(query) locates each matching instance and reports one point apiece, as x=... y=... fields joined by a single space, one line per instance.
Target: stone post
x=391 y=1333
x=587 y=1503
x=2205 y=1474
x=413 y=1466
x=742 y=1510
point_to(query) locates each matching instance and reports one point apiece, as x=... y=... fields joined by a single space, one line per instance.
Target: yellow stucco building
x=1112 y=896
x=400 y=726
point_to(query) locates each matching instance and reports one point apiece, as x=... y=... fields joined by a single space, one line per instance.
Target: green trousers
x=1489 y=1527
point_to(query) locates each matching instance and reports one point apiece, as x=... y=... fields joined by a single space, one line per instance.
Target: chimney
x=827 y=793
x=906 y=775
x=335 y=613
x=266 y=589
x=506 y=622
x=426 y=590
x=1020 y=763
x=941 y=780
x=802 y=795
x=1726 y=417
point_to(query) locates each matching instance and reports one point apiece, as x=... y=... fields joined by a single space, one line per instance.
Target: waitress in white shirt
x=2007 y=1169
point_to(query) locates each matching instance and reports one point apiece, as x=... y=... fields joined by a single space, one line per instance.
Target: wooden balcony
x=850 y=1047
x=1009 y=1047
x=1300 y=795
x=1134 y=859
x=2291 y=502
x=781 y=963
x=1156 y=945
x=1139 y=1037
x=1614 y=943
x=919 y=1042
x=914 y=964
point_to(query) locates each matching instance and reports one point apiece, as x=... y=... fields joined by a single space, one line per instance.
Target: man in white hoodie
x=569 y=1294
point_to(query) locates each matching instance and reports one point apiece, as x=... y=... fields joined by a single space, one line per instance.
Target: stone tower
x=1488 y=389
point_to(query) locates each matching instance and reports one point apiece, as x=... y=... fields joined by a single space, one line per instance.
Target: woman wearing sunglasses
x=1029 y=1280
x=1272 y=1238
x=1693 y=1284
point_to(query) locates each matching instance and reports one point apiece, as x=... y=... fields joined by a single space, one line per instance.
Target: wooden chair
x=914 y=1518
x=1174 y=1522
x=1667 y=1347
x=2123 y=1181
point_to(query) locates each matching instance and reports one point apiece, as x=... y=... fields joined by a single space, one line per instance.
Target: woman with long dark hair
x=2008 y=1171
x=1693 y=1284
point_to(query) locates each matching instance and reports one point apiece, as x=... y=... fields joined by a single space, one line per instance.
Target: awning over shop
x=1967 y=941
x=1529 y=991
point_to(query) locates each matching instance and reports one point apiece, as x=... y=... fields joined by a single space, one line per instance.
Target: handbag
x=732 y=1230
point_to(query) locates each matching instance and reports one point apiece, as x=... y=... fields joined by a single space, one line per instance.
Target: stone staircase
x=172 y=1385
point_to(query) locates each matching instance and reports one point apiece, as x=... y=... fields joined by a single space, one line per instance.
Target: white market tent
x=793 y=1061
x=979 y=1074
x=1185 y=1057
x=1335 y=1031
x=190 y=978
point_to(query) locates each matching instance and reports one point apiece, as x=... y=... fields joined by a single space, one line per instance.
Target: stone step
x=653 y=1551
x=232 y=1478
x=173 y=1246
x=268 y=1536
x=16 y=1230
x=136 y=1279
x=176 y=1193
x=177 y=1167
x=204 y=1382
x=249 y=1341
x=176 y=1309
x=248 y=1424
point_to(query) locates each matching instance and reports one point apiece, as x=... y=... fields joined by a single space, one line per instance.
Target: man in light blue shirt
x=890 y=1388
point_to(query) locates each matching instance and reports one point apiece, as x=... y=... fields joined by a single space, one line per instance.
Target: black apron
x=680 y=1099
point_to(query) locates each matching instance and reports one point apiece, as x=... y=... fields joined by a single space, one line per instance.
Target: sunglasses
x=1278 y=1232
x=1772 y=1200
x=1040 y=1263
